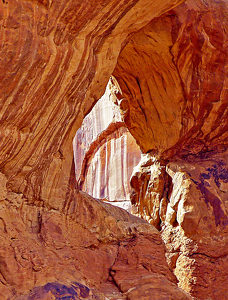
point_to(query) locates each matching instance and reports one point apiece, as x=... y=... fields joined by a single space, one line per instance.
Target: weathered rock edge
x=91 y=244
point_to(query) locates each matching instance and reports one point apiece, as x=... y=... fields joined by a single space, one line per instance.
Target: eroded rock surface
x=56 y=60
x=173 y=77
x=187 y=201
x=105 y=153
x=173 y=80
x=81 y=251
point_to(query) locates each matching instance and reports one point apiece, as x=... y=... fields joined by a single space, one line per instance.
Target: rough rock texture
x=196 y=225
x=56 y=59
x=105 y=153
x=61 y=254
x=187 y=200
x=150 y=190
x=104 y=113
x=173 y=79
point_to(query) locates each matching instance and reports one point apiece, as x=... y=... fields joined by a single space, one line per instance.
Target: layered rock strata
x=172 y=76
x=105 y=153
x=79 y=253
x=98 y=120
x=56 y=59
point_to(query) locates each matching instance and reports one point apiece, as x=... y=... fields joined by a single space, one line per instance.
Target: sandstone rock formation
x=56 y=59
x=105 y=153
x=60 y=254
x=56 y=242
x=104 y=113
x=187 y=201
x=171 y=65
x=172 y=75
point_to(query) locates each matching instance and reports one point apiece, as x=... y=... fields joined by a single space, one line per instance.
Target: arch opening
x=105 y=152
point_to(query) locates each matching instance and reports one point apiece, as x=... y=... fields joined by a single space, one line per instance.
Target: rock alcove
x=170 y=60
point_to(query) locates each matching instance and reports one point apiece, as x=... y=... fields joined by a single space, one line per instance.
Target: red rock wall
x=173 y=80
x=56 y=59
x=187 y=201
x=47 y=254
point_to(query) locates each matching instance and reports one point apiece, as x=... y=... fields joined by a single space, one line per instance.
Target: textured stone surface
x=173 y=80
x=105 y=153
x=75 y=291
x=109 y=168
x=149 y=196
x=187 y=200
x=56 y=59
x=173 y=77
x=98 y=120
x=51 y=253
x=196 y=228
x=132 y=270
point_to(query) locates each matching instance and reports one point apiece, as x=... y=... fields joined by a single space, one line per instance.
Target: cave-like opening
x=105 y=153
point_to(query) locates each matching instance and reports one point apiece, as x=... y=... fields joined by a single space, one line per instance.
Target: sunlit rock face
x=105 y=153
x=46 y=254
x=56 y=60
x=98 y=120
x=187 y=201
x=174 y=102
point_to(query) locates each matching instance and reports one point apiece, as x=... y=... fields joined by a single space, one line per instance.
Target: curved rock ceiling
x=171 y=64
x=56 y=59
x=173 y=78
x=173 y=75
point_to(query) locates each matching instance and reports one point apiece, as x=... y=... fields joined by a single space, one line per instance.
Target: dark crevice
x=137 y=80
x=168 y=189
x=113 y=272
x=211 y=257
x=175 y=223
x=39 y=217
